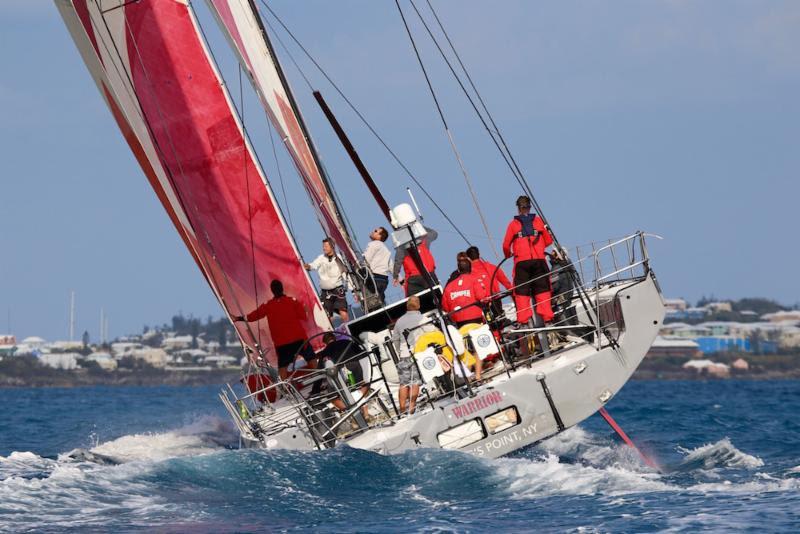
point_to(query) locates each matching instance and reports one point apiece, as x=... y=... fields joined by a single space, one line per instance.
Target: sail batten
x=240 y=21
x=156 y=75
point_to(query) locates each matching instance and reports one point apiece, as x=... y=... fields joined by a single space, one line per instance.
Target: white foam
x=612 y=470
x=203 y=436
x=721 y=454
x=75 y=494
x=548 y=476
x=48 y=493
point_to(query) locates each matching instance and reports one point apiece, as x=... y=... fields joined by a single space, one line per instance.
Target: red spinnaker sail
x=240 y=21
x=156 y=76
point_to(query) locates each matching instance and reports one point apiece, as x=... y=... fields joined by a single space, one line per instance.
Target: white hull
x=580 y=378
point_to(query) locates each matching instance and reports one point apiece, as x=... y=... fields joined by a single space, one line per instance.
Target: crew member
x=408 y=328
x=527 y=239
x=462 y=296
x=332 y=279
x=562 y=276
x=414 y=280
x=285 y=317
x=379 y=261
x=342 y=351
x=488 y=273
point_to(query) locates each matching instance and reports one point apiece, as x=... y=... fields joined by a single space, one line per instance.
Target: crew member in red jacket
x=488 y=273
x=527 y=239
x=285 y=317
x=463 y=294
x=414 y=281
x=462 y=299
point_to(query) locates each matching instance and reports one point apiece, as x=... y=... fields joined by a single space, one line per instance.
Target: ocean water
x=165 y=459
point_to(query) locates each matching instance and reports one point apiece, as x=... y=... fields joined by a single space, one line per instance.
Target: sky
x=678 y=118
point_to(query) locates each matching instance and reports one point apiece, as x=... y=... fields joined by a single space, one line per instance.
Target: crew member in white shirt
x=332 y=279
x=379 y=260
x=405 y=333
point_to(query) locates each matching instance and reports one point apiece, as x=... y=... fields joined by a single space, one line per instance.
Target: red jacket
x=526 y=248
x=285 y=317
x=484 y=271
x=462 y=292
x=410 y=268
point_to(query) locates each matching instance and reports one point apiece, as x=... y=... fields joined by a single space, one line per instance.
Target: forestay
x=156 y=76
x=243 y=27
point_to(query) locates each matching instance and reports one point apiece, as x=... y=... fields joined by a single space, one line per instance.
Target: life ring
x=437 y=338
x=466 y=329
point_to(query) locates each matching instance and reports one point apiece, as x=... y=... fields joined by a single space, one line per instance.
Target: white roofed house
x=719 y=307
x=779 y=316
x=64 y=346
x=722 y=328
x=61 y=360
x=789 y=337
x=675 y=304
x=8 y=345
x=689 y=331
x=103 y=359
x=719 y=370
x=174 y=343
x=35 y=342
x=121 y=349
x=221 y=360
x=674 y=346
x=155 y=357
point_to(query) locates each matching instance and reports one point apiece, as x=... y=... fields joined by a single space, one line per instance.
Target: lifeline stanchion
x=621 y=433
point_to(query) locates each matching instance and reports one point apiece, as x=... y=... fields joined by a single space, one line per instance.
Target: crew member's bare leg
x=402 y=398
x=413 y=404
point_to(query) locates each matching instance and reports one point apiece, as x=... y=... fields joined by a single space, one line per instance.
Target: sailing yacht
x=156 y=73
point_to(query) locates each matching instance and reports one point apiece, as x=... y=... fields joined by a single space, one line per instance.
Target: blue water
x=730 y=451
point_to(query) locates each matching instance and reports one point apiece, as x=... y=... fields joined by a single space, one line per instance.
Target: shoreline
x=74 y=379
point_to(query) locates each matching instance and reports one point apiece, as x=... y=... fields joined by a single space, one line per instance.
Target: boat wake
x=191 y=478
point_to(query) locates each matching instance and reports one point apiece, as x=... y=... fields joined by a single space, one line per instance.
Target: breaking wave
x=716 y=455
x=191 y=478
x=101 y=486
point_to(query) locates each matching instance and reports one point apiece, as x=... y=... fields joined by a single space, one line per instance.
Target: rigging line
x=467 y=179
x=518 y=175
x=288 y=53
x=474 y=88
x=280 y=176
x=505 y=152
x=520 y=181
x=127 y=76
x=349 y=225
x=249 y=203
x=364 y=120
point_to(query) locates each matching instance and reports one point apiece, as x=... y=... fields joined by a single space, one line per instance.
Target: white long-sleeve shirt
x=329 y=268
x=378 y=257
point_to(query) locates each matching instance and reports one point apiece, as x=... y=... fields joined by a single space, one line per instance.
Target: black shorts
x=286 y=353
x=531 y=277
x=334 y=300
x=416 y=284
